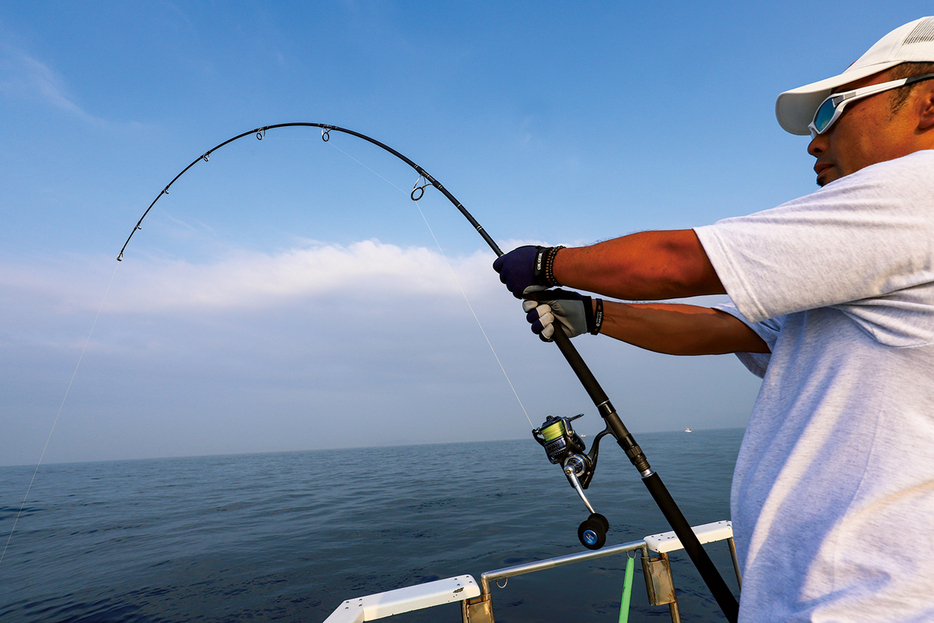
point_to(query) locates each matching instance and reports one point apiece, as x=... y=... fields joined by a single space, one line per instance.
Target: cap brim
x=795 y=109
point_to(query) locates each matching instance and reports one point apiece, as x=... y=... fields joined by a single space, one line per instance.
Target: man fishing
x=833 y=306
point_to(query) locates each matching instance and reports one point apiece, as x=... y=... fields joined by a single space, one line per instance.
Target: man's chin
x=826 y=176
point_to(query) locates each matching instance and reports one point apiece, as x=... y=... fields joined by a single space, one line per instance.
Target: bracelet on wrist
x=548 y=267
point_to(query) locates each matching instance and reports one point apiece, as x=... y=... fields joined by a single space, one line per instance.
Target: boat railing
x=477 y=602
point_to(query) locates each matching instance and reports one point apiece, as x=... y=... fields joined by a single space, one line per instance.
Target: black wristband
x=597 y=317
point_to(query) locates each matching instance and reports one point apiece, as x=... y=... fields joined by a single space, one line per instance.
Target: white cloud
x=246 y=279
x=255 y=336
x=30 y=79
x=253 y=280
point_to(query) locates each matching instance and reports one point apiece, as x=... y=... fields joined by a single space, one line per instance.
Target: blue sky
x=287 y=294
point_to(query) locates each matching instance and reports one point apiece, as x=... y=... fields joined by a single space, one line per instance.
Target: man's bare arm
x=678 y=329
x=652 y=265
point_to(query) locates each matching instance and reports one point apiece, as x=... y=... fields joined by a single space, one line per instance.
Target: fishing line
x=58 y=414
x=453 y=274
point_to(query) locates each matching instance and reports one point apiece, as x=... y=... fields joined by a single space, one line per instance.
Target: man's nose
x=818 y=145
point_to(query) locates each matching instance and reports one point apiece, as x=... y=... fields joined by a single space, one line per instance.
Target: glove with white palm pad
x=573 y=311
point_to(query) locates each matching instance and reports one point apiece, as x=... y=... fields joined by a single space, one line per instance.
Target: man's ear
x=926 y=108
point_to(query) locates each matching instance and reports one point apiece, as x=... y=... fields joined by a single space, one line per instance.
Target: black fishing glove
x=527 y=269
x=574 y=311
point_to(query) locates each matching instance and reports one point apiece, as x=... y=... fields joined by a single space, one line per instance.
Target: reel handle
x=570 y=472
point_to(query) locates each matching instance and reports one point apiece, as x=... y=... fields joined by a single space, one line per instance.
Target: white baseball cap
x=911 y=43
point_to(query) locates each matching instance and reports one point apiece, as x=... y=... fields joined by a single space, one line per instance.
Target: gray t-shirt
x=833 y=493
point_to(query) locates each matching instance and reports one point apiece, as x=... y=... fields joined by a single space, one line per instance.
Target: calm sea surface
x=288 y=537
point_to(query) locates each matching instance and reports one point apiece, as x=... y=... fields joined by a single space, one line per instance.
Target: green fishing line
x=554 y=431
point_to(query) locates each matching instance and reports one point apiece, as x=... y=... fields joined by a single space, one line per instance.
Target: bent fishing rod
x=562 y=445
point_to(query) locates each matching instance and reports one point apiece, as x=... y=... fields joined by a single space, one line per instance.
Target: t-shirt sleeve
x=768 y=330
x=864 y=243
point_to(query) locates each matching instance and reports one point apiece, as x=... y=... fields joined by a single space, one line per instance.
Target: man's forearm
x=651 y=265
x=679 y=329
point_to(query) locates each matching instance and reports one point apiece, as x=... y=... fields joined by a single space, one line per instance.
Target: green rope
x=627 y=591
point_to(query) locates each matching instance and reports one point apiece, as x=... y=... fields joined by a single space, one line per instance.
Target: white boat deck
x=418 y=597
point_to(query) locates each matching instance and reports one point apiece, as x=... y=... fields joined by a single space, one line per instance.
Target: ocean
x=289 y=536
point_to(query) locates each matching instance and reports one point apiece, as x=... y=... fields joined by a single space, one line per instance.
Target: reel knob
x=592 y=531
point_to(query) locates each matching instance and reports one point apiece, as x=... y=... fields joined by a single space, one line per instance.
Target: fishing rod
x=562 y=445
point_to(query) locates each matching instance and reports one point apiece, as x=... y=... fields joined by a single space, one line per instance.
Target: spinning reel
x=565 y=447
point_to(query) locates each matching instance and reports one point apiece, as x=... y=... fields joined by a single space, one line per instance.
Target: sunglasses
x=832 y=107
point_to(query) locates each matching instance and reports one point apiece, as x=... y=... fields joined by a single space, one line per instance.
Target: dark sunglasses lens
x=824 y=115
